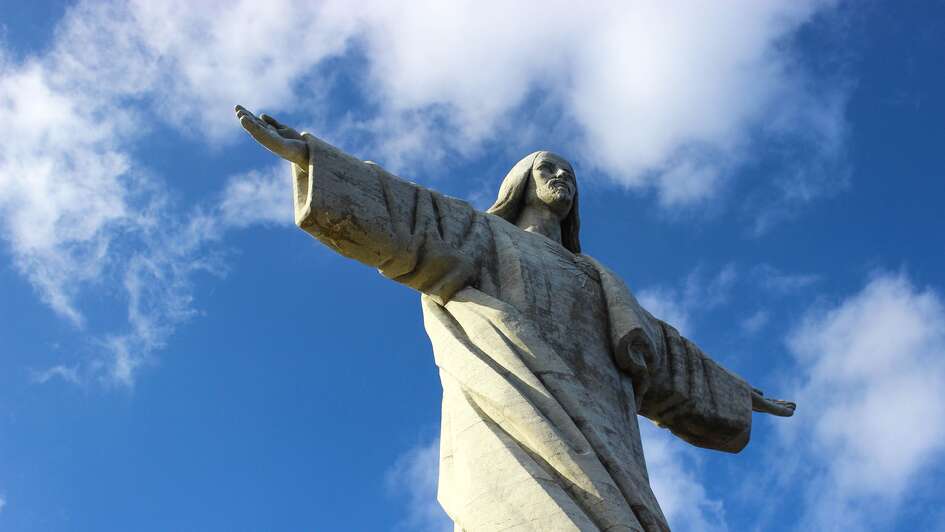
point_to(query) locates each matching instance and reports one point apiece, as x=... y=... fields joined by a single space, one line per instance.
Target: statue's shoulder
x=601 y=269
x=610 y=281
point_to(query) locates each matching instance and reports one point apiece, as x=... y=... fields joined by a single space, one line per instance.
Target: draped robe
x=545 y=357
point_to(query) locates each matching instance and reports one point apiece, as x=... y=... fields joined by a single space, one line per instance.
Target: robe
x=545 y=356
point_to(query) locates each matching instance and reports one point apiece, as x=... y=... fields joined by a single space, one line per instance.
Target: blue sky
x=176 y=355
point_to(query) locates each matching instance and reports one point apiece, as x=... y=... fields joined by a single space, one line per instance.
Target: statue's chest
x=562 y=293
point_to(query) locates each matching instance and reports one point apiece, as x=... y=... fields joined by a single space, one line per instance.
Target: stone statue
x=545 y=356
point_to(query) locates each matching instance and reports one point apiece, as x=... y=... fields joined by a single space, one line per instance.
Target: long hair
x=511 y=200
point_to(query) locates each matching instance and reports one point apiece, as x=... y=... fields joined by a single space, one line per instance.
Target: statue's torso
x=561 y=294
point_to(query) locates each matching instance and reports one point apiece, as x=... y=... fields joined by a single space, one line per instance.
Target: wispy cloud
x=755 y=322
x=680 y=304
x=60 y=371
x=782 y=283
x=874 y=361
x=414 y=478
x=258 y=198
x=674 y=477
x=811 y=167
x=673 y=469
x=695 y=293
x=65 y=182
x=77 y=209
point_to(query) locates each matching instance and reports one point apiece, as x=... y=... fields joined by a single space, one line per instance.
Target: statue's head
x=546 y=180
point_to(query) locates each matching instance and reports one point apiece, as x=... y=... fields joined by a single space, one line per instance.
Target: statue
x=545 y=356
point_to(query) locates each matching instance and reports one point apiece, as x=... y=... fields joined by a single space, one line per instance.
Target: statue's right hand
x=280 y=139
x=775 y=407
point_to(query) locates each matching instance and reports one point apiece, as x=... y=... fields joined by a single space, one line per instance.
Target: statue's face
x=552 y=184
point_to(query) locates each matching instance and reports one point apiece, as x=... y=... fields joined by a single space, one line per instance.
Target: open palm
x=276 y=137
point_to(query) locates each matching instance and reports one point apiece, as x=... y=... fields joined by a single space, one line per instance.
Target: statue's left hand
x=776 y=407
x=276 y=137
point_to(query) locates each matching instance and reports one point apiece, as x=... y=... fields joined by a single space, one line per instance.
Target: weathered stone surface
x=544 y=354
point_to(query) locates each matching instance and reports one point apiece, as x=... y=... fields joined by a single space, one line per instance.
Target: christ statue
x=544 y=354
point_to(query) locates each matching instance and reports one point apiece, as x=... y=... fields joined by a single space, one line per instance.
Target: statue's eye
x=545 y=167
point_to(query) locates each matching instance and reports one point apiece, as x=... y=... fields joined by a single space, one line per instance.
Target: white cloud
x=215 y=54
x=414 y=477
x=869 y=420
x=662 y=98
x=77 y=210
x=258 y=197
x=63 y=182
x=680 y=493
x=157 y=278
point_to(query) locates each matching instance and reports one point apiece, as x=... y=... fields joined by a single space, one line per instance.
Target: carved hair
x=511 y=200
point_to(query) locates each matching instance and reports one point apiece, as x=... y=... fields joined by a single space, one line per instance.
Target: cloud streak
x=258 y=197
x=414 y=477
x=675 y=481
x=695 y=293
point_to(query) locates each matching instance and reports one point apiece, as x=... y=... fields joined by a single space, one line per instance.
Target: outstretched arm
x=413 y=235
x=698 y=399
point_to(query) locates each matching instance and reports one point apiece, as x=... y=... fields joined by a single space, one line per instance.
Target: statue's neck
x=541 y=221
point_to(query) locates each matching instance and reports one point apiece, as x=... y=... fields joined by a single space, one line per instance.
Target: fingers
x=264 y=118
x=263 y=134
x=775 y=407
x=247 y=119
x=782 y=408
x=272 y=121
x=274 y=136
x=242 y=111
x=267 y=121
x=283 y=130
x=260 y=130
x=249 y=124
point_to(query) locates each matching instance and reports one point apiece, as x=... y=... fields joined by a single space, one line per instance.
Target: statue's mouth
x=558 y=183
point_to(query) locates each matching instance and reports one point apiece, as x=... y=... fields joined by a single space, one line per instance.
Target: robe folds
x=545 y=356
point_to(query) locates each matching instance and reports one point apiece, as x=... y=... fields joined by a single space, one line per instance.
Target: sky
x=176 y=355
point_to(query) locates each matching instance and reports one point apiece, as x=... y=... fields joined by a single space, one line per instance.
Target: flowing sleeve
x=695 y=397
x=430 y=242
x=674 y=382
